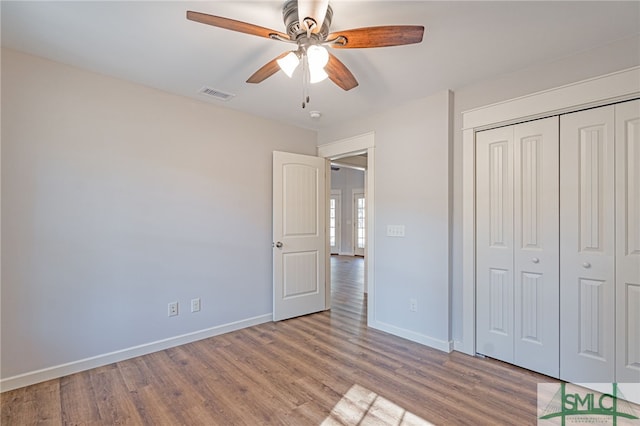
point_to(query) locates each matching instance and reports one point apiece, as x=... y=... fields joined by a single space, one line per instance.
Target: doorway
x=347 y=265
x=362 y=148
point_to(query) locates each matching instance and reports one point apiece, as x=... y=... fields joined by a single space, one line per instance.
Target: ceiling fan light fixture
x=316 y=75
x=289 y=63
x=318 y=56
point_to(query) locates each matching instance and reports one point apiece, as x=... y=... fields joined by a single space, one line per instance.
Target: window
x=332 y=222
x=360 y=234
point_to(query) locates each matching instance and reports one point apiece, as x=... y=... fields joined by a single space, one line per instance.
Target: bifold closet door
x=537 y=242
x=587 y=248
x=517 y=210
x=494 y=243
x=628 y=242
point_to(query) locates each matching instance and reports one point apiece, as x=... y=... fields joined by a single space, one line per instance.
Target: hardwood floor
x=325 y=368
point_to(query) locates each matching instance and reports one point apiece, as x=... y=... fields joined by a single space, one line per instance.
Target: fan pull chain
x=305 y=81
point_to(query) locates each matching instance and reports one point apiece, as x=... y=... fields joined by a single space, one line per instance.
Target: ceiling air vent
x=215 y=93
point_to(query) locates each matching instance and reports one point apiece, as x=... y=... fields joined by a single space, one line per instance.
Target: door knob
x=279 y=244
x=586 y=265
x=535 y=260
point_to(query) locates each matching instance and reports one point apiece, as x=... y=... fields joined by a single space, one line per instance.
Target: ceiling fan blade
x=340 y=74
x=267 y=70
x=391 y=35
x=314 y=9
x=233 y=25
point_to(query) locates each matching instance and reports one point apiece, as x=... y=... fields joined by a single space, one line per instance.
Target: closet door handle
x=586 y=265
x=535 y=260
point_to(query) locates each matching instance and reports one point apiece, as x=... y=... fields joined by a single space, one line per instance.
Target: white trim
x=443 y=345
x=614 y=87
x=58 y=371
x=344 y=148
x=347 y=147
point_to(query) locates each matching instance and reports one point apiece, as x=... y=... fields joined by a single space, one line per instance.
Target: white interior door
x=300 y=246
x=359 y=223
x=494 y=243
x=587 y=245
x=536 y=246
x=628 y=242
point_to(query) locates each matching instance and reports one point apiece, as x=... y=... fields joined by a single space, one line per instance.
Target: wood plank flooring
x=326 y=368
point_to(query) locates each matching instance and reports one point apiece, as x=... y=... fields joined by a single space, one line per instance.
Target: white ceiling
x=152 y=43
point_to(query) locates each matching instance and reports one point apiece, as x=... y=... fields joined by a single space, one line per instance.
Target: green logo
x=579 y=405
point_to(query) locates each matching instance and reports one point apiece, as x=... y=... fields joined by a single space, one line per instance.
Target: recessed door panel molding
x=630 y=349
x=532 y=312
x=631 y=194
x=494 y=301
x=628 y=241
x=300 y=274
x=536 y=258
x=499 y=189
x=530 y=190
x=591 y=187
x=591 y=333
x=500 y=302
x=300 y=202
x=587 y=244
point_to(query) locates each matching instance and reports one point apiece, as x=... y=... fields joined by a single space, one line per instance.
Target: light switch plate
x=395 y=230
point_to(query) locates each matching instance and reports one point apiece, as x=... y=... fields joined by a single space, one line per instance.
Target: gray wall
x=347 y=180
x=117 y=199
x=412 y=168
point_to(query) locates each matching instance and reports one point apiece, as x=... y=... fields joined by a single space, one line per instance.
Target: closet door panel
x=536 y=271
x=494 y=243
x=628 y=241
x=587 y=246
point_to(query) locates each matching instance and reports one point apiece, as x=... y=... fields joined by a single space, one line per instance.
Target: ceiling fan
x=307 y=24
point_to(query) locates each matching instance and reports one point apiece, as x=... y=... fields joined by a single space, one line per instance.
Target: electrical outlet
x=195 y=305
x=413 y=305
x=173 y=309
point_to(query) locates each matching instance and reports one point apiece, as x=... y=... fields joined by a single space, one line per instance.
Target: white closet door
x=494 y=240
x=587 y=245
x=628 y=241
x=536 y=272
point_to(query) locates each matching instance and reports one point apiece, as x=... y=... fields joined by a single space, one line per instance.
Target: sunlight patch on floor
x=360 y=406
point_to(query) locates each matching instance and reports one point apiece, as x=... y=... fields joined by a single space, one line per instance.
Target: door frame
x=598 y=91
x=356 y=145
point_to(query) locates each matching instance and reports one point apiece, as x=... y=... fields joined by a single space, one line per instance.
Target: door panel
x=628 y=241
x=587 y=246
x=299 y=200
x=536 y=247
x=494 y=243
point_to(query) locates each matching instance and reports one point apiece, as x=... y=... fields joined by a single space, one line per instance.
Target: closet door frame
x=610 y=88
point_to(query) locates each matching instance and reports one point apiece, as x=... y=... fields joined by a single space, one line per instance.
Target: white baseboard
x=57 y=371
x=443 y=345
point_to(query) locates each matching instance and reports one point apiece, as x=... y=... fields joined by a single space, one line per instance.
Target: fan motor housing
x=292 y=24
